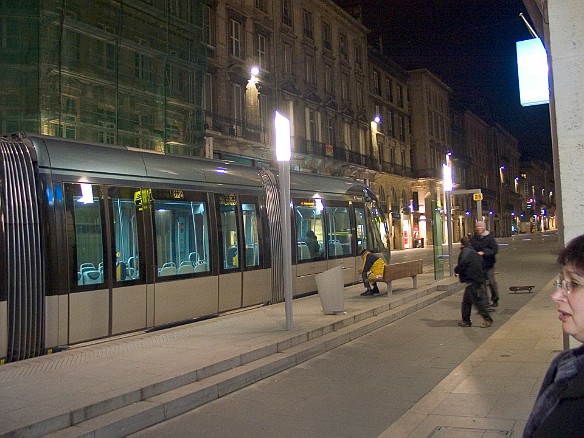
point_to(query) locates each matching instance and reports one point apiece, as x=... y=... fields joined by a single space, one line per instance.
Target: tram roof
x=119 y=162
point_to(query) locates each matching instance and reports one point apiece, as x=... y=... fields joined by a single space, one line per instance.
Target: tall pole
x=447 y=195
x=447 y=175
x=283 y=154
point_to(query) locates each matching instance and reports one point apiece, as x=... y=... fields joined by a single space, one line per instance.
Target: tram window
x=251 y=234
x=309 y=230
x=227 y=222
x=85 y=205
x=339 y=231
x=360 y=223
x=125 y=204
x=377 y=224
x=182 y=237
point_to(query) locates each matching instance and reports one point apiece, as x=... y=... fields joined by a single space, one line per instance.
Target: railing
x=249 y=131
x=427 y=173
x=236 y=127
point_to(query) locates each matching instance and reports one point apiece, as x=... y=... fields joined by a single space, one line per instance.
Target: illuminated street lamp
x=283 y=155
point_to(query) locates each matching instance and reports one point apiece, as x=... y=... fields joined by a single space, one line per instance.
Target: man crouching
x=372 y=268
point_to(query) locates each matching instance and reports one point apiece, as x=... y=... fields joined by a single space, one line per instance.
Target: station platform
x=121 y=386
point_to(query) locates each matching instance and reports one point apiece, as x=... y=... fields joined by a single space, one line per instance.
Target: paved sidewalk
x=491 y=393
x=123 y=385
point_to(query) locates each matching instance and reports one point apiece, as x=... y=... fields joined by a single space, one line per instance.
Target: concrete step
x=160 y=401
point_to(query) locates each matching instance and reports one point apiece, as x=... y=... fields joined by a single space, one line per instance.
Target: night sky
x=470 y=46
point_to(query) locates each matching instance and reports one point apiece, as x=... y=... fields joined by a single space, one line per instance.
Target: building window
x=106 y=55
x=310 y=70
x=401 y=128
x=72 y=46
x=362 y=142
x=347 y=134
x=343 y=47
x=376 y=84
x=326 y=36
x=208 y=25
x=328 y=79
x=235 y=39
x=208 y=93
x=330 y=130
x=389 y=123
x=400 y=96
x=262 y=55
x=287 y=12
x=106 y=133
x=236 y=108
x=389 y=90
x=307 y=23
x=312 y=126
x=288 y=63
x=358 y=56
x=261 y=5
x=174 y=8
x=344 y=86
x=359 y=90
x=265 y=118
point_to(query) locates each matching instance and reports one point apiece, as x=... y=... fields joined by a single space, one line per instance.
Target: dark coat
x=488 y=245
x=565 y=420
x=470 y=266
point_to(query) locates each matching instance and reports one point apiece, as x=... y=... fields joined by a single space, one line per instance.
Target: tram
x=99 y=240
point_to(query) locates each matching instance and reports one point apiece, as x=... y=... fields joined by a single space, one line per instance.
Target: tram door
x=129 y=296
x=340 y=241
x=105 y=241
x=242 y=279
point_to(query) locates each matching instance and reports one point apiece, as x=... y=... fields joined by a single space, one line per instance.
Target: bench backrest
x=402 y=270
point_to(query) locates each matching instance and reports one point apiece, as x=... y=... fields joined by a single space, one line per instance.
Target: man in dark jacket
x=485 y=244
x=470 y=270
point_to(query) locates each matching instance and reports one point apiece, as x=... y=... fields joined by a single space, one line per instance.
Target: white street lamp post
x=447 y=171
x=283 y=154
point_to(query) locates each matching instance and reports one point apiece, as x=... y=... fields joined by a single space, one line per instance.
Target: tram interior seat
x=131 y=273
x=303 y=251
x=230 y=256
x=185 y=269
x=251 y=255
x=132 y=262
x=201 y=267
x=346 y=248
x=194 y=258
x=167 y=270
x=335 y=248
x=92 y=277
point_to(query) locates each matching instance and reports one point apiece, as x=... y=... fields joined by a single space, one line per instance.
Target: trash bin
x=331 y=287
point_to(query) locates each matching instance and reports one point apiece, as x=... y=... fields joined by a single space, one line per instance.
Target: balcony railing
x=236 y=127
x=248 y=131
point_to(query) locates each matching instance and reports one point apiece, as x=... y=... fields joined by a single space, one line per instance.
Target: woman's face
x=570 y=301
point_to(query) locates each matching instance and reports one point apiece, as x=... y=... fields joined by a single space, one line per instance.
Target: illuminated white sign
x=532 y=69
x=283 y=147
x=447 y=174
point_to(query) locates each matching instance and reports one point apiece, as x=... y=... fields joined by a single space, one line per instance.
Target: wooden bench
x=517 y=289
x=395 y=271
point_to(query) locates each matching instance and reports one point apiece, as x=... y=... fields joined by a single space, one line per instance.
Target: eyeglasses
x=566 y=286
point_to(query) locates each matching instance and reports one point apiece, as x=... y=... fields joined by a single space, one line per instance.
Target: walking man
x=470 y=271
x=486 y=246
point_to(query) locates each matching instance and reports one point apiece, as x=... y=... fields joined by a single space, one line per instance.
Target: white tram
x=99 y=240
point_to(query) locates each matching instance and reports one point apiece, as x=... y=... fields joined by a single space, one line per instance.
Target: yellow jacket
x=372 y=265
